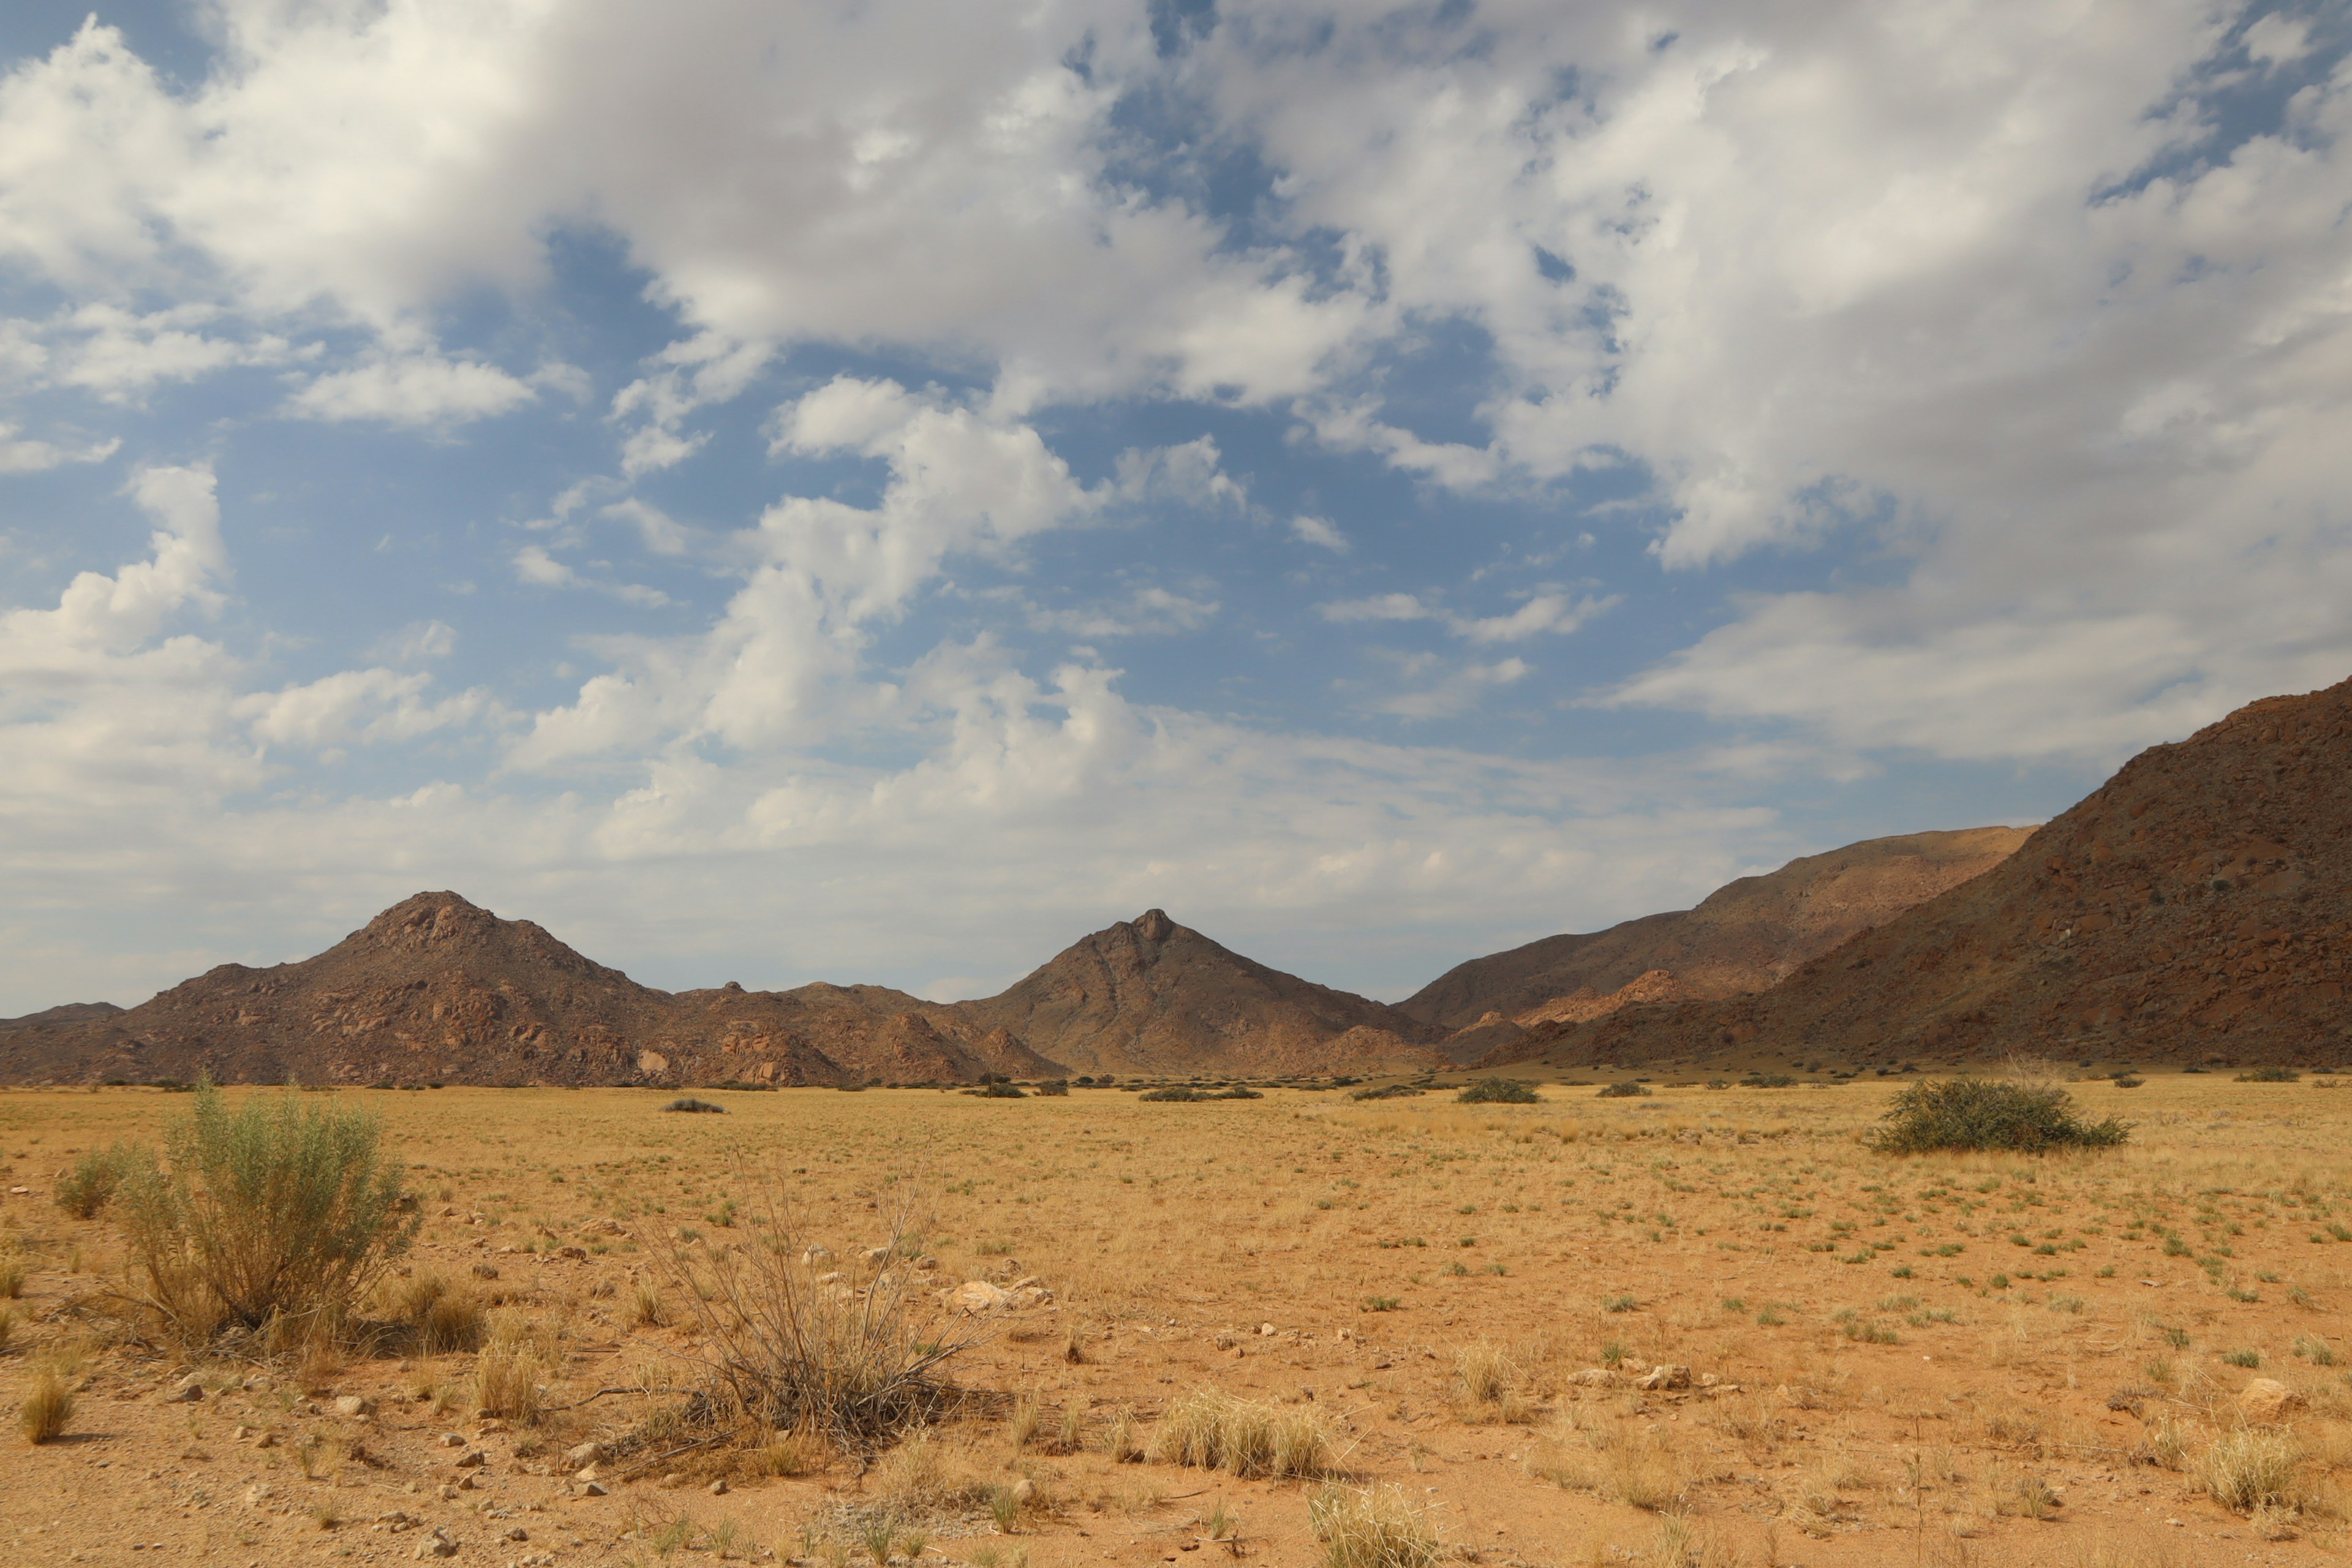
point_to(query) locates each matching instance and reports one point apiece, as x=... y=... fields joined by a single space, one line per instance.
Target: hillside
x=2196 y=906
x=1150 y=996
x=436 y=990
x=1747 y=935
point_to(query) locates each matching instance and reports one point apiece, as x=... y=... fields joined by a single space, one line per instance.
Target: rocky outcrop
x=1747 y=935
x=1149 y=995
x=2198 y=906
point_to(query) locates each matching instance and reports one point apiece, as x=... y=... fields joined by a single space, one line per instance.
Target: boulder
x=2266 y=1399
x=1659 y=1377
x=584 y=1454
x=350 y=1405
x=977 y=1296
x=1593 y=1377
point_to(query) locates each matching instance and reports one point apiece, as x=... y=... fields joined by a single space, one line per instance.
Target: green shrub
x=2271 y=1075
x=1054 y=1087
x=93 y=1182
x=1391 y=1091
x=1768 y=1081
x=998 y=1088
x=2128 y=1080
x=1984 y=1113
x=273 y=1211
x=1626 y=1090
x=686 y=1102
x=1498 y=1091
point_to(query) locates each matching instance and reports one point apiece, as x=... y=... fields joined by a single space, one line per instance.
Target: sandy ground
x=1941 y=1361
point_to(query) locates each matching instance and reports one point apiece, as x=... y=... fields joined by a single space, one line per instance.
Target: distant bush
x=1389 y=1091
x=1623 y=1091
x=699 y=1107
x=1056 y=1087
x=2270 y=1075
x=274 y=1216
x=1496 y=1091
x=1984 y=1113
x=93 y=1182
x=2128 y=1080
x=1185 y=1092
x=999 y=1088
x=1768 y=1081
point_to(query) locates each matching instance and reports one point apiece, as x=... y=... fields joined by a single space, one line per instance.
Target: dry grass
x=47 y=1406
x=520 y=1352
x=2249 y=1468
x=1212 y=1430
x=1744 y=1229
x=1379 y=1528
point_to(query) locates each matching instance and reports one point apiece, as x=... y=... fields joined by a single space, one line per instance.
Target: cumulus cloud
x=416 y=389
x=1321 y=532
x=22 y=456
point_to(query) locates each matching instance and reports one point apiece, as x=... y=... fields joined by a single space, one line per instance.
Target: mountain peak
x=1153 y=925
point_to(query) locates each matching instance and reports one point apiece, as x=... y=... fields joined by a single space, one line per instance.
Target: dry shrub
x=442 y=1319
x=49 y=1404
x=1489 y=1386
x=778 y=1351
x=1378 y=1528
x=95 y=1178
x=517 y=1355
x=2247 y=1469
x=1122 y=1440
x=272 y=1211
x=1639 y=1469
x=921 y=1476
x=1212 y=1431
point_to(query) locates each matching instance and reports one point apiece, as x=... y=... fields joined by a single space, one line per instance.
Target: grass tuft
x=1212 y=1430
x=1378 y=1528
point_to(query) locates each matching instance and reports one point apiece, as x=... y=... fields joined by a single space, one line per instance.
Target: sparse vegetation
x=2249 y=1468
x=1973 y=1113
x=1628 y=1089
x=94 y=1179
x=1498 y=1091
x=778 y=1351
x=2271 y=1075
x=1375 y=1528
x=1212 y=1430
x=274 y=1216
x=688 y=1103
x=47 y=1406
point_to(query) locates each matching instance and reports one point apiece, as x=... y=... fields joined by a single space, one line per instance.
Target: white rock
x=977 y=1296
x=585 y=1455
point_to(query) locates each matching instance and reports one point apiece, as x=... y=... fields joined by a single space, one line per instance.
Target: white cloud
x=1321 y=532
x=533 y=564
x=1147 y=611
x=414 y=389
x=364 y=706
x=1547 y=612
x=419 y=642
x=17 y=457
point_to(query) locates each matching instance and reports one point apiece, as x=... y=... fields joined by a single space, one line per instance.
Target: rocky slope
x=1747 y=935
x=1151 y=995
x=2196 y=906
x=435 y=990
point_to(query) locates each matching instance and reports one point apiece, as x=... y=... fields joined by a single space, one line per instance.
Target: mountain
x=437 y=990
x=2196 y=906
x=1150 y=996
x=1747 y=935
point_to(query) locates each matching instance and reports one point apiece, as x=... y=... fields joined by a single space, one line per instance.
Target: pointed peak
x=1153 y=925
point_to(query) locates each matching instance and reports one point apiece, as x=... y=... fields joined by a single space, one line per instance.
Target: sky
x=875 y=492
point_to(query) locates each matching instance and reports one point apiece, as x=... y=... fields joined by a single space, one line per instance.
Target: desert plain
x=1706 y=1325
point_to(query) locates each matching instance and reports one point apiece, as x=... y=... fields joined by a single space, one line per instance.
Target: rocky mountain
x=436 y=990
x=2196 y=906
x=1150 y=996
x=1747 y=935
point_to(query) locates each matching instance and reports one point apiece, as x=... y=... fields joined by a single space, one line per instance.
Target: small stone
x=447 y=1492
x=1593 y=1377
x=577 y=1254
x=816 y=1257
x=719 y=1488
x=1265 y=1330
x=674 y=1479
x=472 y=1459
x=518 y=1533
x=590 y=1489
x=1659 y=1377
x=2266 y=1399
x=977 y=1296
x=440 y=1543
x=1025 y=1491
x=189 y=1390
x=451 y=1439
x=485 y=1271
x=350 y=1405
x=585 y=1455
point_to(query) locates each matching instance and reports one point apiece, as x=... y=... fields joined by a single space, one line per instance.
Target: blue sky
x=856 y=492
